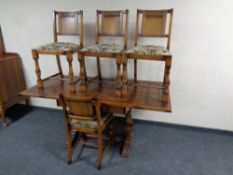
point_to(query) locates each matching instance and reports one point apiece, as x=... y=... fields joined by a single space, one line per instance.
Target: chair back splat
x=84 y=117
x=68 y=24
x=154 y=23
x=112 y=23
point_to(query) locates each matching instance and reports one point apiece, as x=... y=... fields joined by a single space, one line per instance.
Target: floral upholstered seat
x=149 y=50
x=112 y=48
x=58 y=47
x=87 y=124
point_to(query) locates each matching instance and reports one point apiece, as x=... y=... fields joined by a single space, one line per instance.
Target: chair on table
x=64 y=24
x=153 y=23
x=108 y=24
x=83 y=116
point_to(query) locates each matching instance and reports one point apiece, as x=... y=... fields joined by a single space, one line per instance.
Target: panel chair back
x=80 y=108
x=68 y=24
x=112 y=23
x=154 y=23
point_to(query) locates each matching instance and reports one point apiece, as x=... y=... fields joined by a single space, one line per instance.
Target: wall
x=201 y=76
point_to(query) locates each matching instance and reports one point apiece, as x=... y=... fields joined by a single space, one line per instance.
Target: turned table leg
x=69 y=57
x=35 y=56
x=124 y=75
x=166 y=82
x=128 y=133
x=82 y=73
x=118 y=78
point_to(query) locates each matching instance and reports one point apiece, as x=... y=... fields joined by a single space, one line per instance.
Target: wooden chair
x=83 y=116
x=153 y=23
x=108 y=24
x=64 y=24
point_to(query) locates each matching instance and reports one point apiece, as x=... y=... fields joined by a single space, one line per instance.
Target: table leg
x=128 y=133
x=69 y=57
x=166 y=82
x=35 y=56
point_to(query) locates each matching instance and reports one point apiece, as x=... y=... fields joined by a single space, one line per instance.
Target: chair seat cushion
x=75 y=123
x=149 y=50
x=58 y=47
x=112 y=48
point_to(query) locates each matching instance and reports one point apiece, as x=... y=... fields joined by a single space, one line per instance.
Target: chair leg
x=166 y=81
x=119 y=82
x=59 y=66
x=71 y=72
x=124 y=75
x=82 y=73
x=35 y=56
x=69 y=145
x=99 y=68
x=135 y=70
x=100 y=148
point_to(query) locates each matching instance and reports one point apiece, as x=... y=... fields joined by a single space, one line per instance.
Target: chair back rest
x=76 y=106
x=68 y=24
x=154 y=23
x=112 y=23
x=2 y=48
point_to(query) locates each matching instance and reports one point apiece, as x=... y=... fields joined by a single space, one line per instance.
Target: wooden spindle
x=124 y=75
x=35 y=56
x=69 y=57
x=82 y=73
x=118 y=78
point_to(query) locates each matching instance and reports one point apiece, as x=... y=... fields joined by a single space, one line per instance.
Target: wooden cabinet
x=11 y=80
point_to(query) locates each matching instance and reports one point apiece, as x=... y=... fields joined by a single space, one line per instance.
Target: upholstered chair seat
x=88 y=124
x=59 y=47
x=105 y=48
x=149 y=50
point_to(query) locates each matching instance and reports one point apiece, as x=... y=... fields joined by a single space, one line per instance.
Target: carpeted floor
x=34 y=144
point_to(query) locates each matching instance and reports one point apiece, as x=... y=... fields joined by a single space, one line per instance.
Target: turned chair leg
x=35 y=56
x=69 y=57
x=119 y=81
x=124 y=75
x=82 y=74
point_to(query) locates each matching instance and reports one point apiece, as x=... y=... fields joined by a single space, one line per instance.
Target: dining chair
x=153 y=24
x=65 y=24
x=109 y=24
x=83 y=116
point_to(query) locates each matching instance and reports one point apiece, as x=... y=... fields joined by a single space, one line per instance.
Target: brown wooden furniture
x=144 y=96
x=148 y=95
x=83 y=116
x=108 y=24
x=153 y=23
x=11 y=80
x=64 y=24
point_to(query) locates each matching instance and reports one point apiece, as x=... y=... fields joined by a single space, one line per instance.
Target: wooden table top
x=142 y=96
